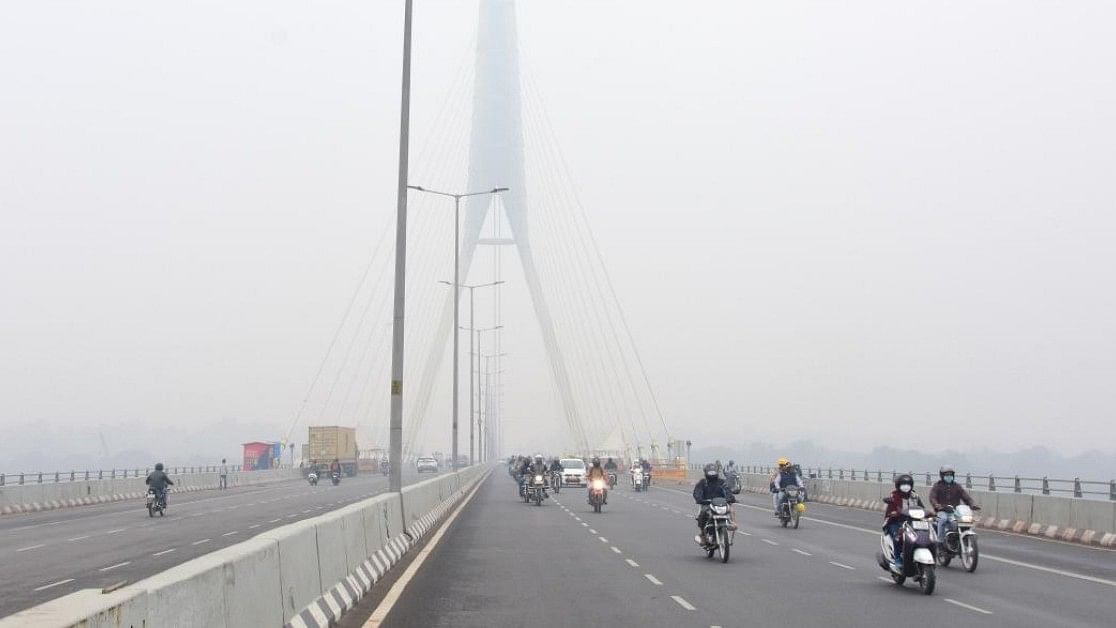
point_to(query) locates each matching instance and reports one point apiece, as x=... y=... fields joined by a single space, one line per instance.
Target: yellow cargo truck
x=329 y=442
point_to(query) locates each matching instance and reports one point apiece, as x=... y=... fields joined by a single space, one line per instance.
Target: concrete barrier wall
x=271 y=578
x=48 y=496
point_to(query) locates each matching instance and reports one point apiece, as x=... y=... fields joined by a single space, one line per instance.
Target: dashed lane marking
x=616 y=549
x=841 y=565
x=116 y=530
x=631 y=562
x=603 y=540
x=592 y=531
x=798 y=551
x=968 y=606
x=53 y=584
x=653 y=579
x=163 y=552
x=31 y=547
x=276 y=520
x=769 y=541
x=683 y=603
x=200 y=542
x=111 y=567
x=79 y=538
x=230 y=533
x=253 y=526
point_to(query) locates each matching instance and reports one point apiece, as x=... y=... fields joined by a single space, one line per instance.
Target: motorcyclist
x=159 y=480
x=947 y=494
x=730 y=469
x=710 y=487
x=781 y=478
x=900 y=501
x=596 y=472
x=335 y=467
x=717 y=466
x=521 y=472
x=646 y=466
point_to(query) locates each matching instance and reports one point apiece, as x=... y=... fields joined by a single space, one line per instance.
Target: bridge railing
x=54 y=477
x=1075 y=487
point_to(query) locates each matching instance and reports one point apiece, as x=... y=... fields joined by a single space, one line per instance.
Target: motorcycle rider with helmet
x=596 y=472
x=710 y=487
x=945 y=495
x=646 y=468
x=901 y=499
x=159 y=480
x=781 y=478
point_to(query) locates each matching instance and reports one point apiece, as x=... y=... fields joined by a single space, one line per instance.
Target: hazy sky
x=824 y=220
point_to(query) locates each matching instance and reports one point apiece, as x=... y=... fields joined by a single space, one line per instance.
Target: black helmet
x=710 y=471
x=904 y=479
x=946 y=470
x=596 y=462
x=732 y=462
x=158 y=466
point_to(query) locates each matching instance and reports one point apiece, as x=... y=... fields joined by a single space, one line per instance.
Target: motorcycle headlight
x=720 y=510
x=966 y=518
x=538 y=479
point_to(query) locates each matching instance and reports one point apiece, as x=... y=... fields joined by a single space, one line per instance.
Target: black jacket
x=710 y=489
x=158 y=480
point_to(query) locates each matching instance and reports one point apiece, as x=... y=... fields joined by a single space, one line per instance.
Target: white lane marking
x=585 y=524
x=111 y=567
x=653 y=579
x=968 y=606
x=769 y=541
x=276 y=520
x=200 y=542
x=393 y=594
x=632 y=562
x=603 y=540
x=53 y=584
x=292 y=515
x=842 y=566
x=798 y=551
x=683 y=603
x=616 y=549
x=746 y=533
x=592 y=531
x=54 y=523
x=230 y=533
x=79 y=538
x=116 y=530
x=884 y=578
x=1017 y=563
x=253 y=526
x=29 y=548
x=163 y=552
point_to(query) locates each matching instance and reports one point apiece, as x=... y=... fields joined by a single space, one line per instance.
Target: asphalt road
x=49 y=554
x=506 y=563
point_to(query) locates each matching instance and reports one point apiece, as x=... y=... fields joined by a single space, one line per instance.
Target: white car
x=426 y=463
x=573 y=472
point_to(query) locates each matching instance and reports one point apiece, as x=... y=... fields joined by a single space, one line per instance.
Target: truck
x=329 y=442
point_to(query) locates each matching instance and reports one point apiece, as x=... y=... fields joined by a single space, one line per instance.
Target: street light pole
x=395 y=484
x=472 y=326
x=456 y=290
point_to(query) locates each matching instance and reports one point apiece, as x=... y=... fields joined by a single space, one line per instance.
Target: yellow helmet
x=783 y=462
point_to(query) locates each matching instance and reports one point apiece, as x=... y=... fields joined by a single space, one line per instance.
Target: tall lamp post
x=456 y=287
x=478 y=332
x=472 y=326
x=488 y=373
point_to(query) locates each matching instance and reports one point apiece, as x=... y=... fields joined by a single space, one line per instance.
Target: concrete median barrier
x=296 y=573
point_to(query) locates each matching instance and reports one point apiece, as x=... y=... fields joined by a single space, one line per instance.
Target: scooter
x=335 y=477
x=312 y=478
x=637 y=479
x=919 y=544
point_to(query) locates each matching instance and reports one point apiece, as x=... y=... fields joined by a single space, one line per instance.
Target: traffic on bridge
x=573 y=314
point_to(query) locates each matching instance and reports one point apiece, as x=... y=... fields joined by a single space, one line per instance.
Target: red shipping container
x=257 y=456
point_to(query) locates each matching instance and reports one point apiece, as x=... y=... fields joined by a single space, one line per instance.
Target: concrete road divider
x=302 y=574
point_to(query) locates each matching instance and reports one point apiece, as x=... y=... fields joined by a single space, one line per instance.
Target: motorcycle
x=385 y=467
x=637 y=480
x=335 y=477
x=535 y=490
x=919 y=544
x=792 y=507
x=312 y=478
x=719 y=532
x=960 y=539
x=597 y=492
x=156 y=502
x=611 y=479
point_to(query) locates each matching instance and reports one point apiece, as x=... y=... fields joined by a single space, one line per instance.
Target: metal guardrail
x=56 y=477
x=1091 y=489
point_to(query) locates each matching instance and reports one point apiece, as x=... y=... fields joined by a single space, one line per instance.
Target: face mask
x=949 y=479
x=905 y=488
